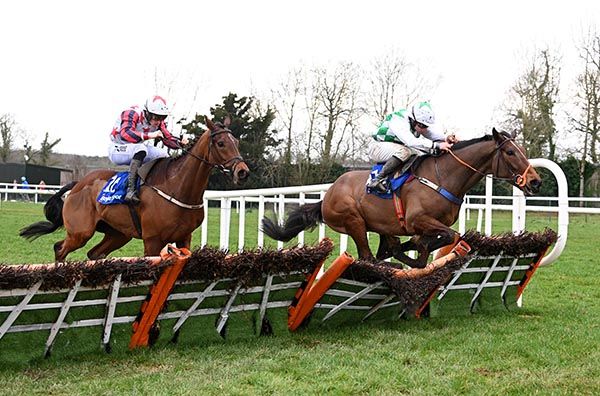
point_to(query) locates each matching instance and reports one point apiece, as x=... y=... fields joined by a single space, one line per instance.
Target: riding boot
x=132 y=195
x=380 y=182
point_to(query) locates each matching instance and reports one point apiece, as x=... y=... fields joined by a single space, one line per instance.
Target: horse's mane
x=466 y=143
x=484 y=138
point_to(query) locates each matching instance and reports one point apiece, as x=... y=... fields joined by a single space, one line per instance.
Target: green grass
x=547 y=347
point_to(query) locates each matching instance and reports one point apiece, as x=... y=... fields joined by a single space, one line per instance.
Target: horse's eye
x=221 y=144
x=510 y=152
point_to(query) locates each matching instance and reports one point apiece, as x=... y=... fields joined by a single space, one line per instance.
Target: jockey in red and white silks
x=131 y=135
x=133 y=132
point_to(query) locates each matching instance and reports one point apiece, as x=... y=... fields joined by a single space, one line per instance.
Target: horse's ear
x=227 y=122
x=209 y=123
x=497 y=135
x=514 y=134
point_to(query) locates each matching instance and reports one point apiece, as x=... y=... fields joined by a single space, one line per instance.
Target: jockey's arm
x=434 y=133
x=441 y=141
x=127 y=131
x=171 y=141
x=400 y=129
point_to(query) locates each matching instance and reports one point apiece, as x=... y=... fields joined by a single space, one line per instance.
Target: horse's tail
x=306 y=216
x=53 y=212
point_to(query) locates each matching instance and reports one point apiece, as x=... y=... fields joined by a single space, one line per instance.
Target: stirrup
x=381 y=186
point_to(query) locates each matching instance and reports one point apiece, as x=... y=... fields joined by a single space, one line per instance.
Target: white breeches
x=383 y=151
x=121 y=154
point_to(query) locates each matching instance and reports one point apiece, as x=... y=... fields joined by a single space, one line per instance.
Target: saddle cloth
x=115 y=189
x=395 y=183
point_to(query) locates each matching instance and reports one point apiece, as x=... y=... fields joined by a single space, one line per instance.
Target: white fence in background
x=26 y=192
x=278 y=198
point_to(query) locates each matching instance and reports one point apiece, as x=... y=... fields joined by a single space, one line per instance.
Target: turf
x=547 y=347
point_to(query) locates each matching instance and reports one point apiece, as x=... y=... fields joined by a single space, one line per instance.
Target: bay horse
x=428 y=215
x=171 y=201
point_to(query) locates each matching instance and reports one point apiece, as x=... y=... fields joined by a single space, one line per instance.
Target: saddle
x=115 y=188
x=145 y=169
x=395 y=182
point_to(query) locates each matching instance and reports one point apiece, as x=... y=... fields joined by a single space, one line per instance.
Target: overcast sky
x=70 y=67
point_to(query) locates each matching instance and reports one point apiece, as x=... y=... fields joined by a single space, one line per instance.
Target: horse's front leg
x=398 y=252
x=431 y=234
x=185 y=242
x=390 y=246
x=384 y=251
x=153 y=246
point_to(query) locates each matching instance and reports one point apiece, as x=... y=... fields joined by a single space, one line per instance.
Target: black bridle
x=224 y=167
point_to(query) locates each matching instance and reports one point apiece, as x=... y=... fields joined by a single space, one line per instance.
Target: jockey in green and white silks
x=404 y=134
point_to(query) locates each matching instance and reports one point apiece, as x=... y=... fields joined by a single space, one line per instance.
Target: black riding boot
x=132 y=195
x=380 y=182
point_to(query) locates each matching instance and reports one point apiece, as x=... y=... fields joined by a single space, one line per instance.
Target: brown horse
x=171 y=201
x=428 y=215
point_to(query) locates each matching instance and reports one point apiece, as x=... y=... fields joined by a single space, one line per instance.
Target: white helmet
x=157 y=105
x=422 y=112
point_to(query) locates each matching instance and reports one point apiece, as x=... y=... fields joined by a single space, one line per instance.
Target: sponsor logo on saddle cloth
x=394 y=182
x=115 y=189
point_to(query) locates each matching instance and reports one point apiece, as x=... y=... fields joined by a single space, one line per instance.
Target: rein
x=519 y=180
x=223 y=168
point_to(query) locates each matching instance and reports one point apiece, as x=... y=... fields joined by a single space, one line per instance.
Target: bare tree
x=7 y=133
x=393 y=83
x=286 y=98
x=312 y=108
x=338 y=97
x=531 y=110
x=588 y=103
x=181 y=88
x=46 y=149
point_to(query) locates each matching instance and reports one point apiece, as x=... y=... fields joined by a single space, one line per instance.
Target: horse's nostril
x=535 y=185
x=242 y=175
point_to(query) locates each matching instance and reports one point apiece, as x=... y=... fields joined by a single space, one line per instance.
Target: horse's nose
x=242 y=175
x=535 y=185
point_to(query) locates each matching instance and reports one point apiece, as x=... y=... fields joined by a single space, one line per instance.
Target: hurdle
x=211 y=282
x=505 y=262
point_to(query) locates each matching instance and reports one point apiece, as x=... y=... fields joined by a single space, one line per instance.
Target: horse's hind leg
x=70 y=243
x=79 y=230
x=112 y=241
x=357 y=230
